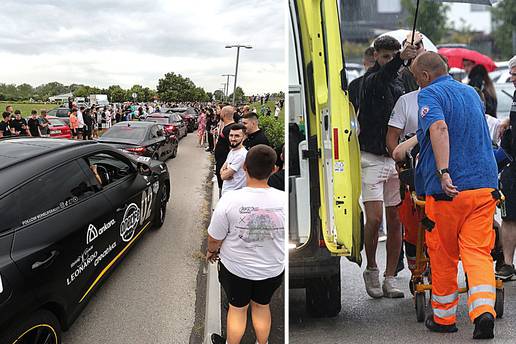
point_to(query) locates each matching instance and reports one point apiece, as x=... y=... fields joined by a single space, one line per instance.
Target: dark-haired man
x=248 y=228
x=232 y=172
x=355 y=85
x=19 y=124
x=255 y=136
x=5 y=128
x=222 y=147
x=380 y=90
x=33 y=123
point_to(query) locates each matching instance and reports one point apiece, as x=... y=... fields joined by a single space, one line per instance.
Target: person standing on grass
x=247 y=232
x=33 y=123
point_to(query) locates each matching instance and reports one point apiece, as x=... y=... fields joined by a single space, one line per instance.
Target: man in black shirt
x=33 y=123
x=355 y=85
x=5 y=128
x=19 y=124
x=222 y=147
x=277 y=180
x=255 y=136
x=380 y=90
x=508 y=186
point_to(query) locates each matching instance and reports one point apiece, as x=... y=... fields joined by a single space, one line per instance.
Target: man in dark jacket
x=355 y=85
x=380 y=90
x=255 y=136
x=508 y=183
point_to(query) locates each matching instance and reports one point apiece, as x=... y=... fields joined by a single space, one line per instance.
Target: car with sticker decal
x=70 y=211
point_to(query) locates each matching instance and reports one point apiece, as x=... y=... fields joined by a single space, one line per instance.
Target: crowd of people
x=246 y=232
x=410 y=108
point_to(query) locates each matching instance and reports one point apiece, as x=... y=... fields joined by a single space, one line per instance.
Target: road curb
x=212 y=317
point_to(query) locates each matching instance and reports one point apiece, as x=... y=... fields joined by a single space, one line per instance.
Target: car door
x=58 y=242
x=331 y=123
x=156 y=142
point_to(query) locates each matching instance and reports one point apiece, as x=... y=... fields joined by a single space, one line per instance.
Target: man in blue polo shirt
x=458 y=175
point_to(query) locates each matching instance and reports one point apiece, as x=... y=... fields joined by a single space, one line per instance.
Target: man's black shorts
x=508 y=187
x=241 y=291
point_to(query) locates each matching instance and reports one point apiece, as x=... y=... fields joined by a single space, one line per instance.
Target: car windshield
x=161 y=120
x=125 y=132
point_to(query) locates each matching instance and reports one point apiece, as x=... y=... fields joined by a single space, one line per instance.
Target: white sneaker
x=382 y=236
x=372 y=282
x=389 y=288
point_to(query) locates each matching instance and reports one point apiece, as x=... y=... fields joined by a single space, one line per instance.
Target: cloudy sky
x=127 y=42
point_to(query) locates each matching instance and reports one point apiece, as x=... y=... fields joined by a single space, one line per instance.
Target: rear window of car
x=161 y=120
x=56 y=122
x=126 y=132
x=62 y=112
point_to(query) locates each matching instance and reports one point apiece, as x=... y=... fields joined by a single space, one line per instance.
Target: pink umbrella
x=456 y=57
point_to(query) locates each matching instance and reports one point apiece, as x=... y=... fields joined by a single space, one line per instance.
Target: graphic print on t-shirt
x=257 y=225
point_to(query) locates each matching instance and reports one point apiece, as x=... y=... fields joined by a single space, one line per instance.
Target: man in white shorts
x=232 y=172
x=247 y=227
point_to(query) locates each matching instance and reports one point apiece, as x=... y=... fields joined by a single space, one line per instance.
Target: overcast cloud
x=108 y=42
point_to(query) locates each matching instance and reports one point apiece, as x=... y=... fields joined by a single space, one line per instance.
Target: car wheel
x=160 y=209
x=41 y=328
x=323 y=296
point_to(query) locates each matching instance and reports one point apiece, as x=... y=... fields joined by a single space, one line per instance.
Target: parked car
x=58 y=128
x=64 y=229
x=142 y=138
x=171 y=122
x=188 y=115
x=61 y=112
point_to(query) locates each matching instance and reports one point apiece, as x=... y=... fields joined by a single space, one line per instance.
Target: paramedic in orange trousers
x=458 y=175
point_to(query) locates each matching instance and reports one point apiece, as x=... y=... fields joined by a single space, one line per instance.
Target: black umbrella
x=479 y=2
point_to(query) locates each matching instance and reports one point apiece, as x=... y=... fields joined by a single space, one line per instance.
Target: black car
x=172 y=123
x=189 y=115
x=64 y=228
x=62 y=113
x=142 y=138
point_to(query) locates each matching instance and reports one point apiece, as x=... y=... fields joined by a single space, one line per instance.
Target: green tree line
x=171 y=88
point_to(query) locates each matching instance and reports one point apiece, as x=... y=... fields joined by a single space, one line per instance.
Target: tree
x=431 y=19
x=240 y=95
x=25 y=91
x=209 y=96
x=175 y=88
x=116 y=94
x=504 y=16
x=219 y=95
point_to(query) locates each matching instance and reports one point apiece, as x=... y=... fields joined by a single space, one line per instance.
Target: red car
x=58 y=128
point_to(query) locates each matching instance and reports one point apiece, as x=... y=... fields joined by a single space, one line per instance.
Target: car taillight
x=136 y=149
x=170 y=128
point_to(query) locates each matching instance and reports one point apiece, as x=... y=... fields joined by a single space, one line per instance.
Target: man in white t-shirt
x=248 y=228
x=403 y=122
x=232 y=172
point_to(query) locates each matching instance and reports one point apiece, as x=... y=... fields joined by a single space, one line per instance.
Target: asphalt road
x=365 y=320
x=151 y=296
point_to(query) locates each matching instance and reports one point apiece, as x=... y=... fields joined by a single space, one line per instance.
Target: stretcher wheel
x=412 y=288
x=420 y=307
x=499 y=303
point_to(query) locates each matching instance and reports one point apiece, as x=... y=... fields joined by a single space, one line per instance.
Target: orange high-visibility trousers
x=463 y=227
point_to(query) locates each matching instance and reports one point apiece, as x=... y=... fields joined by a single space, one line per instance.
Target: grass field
x=271 y=105
x=26 y=108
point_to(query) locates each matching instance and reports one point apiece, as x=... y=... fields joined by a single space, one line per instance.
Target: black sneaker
x=435 y=327
x=484 y=325
x=505 y=272
x=217 y=339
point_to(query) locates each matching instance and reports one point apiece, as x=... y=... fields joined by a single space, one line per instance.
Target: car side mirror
x=143 y=169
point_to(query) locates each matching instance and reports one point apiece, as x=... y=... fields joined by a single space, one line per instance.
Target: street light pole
x=225 y=86
x=226 y=90
x=238 y=46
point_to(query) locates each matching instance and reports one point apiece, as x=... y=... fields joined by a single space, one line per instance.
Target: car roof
x=134 y=124
x=23 y=158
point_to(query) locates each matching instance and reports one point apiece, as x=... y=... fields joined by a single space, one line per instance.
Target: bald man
x=457 y=174
x=222 y=147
